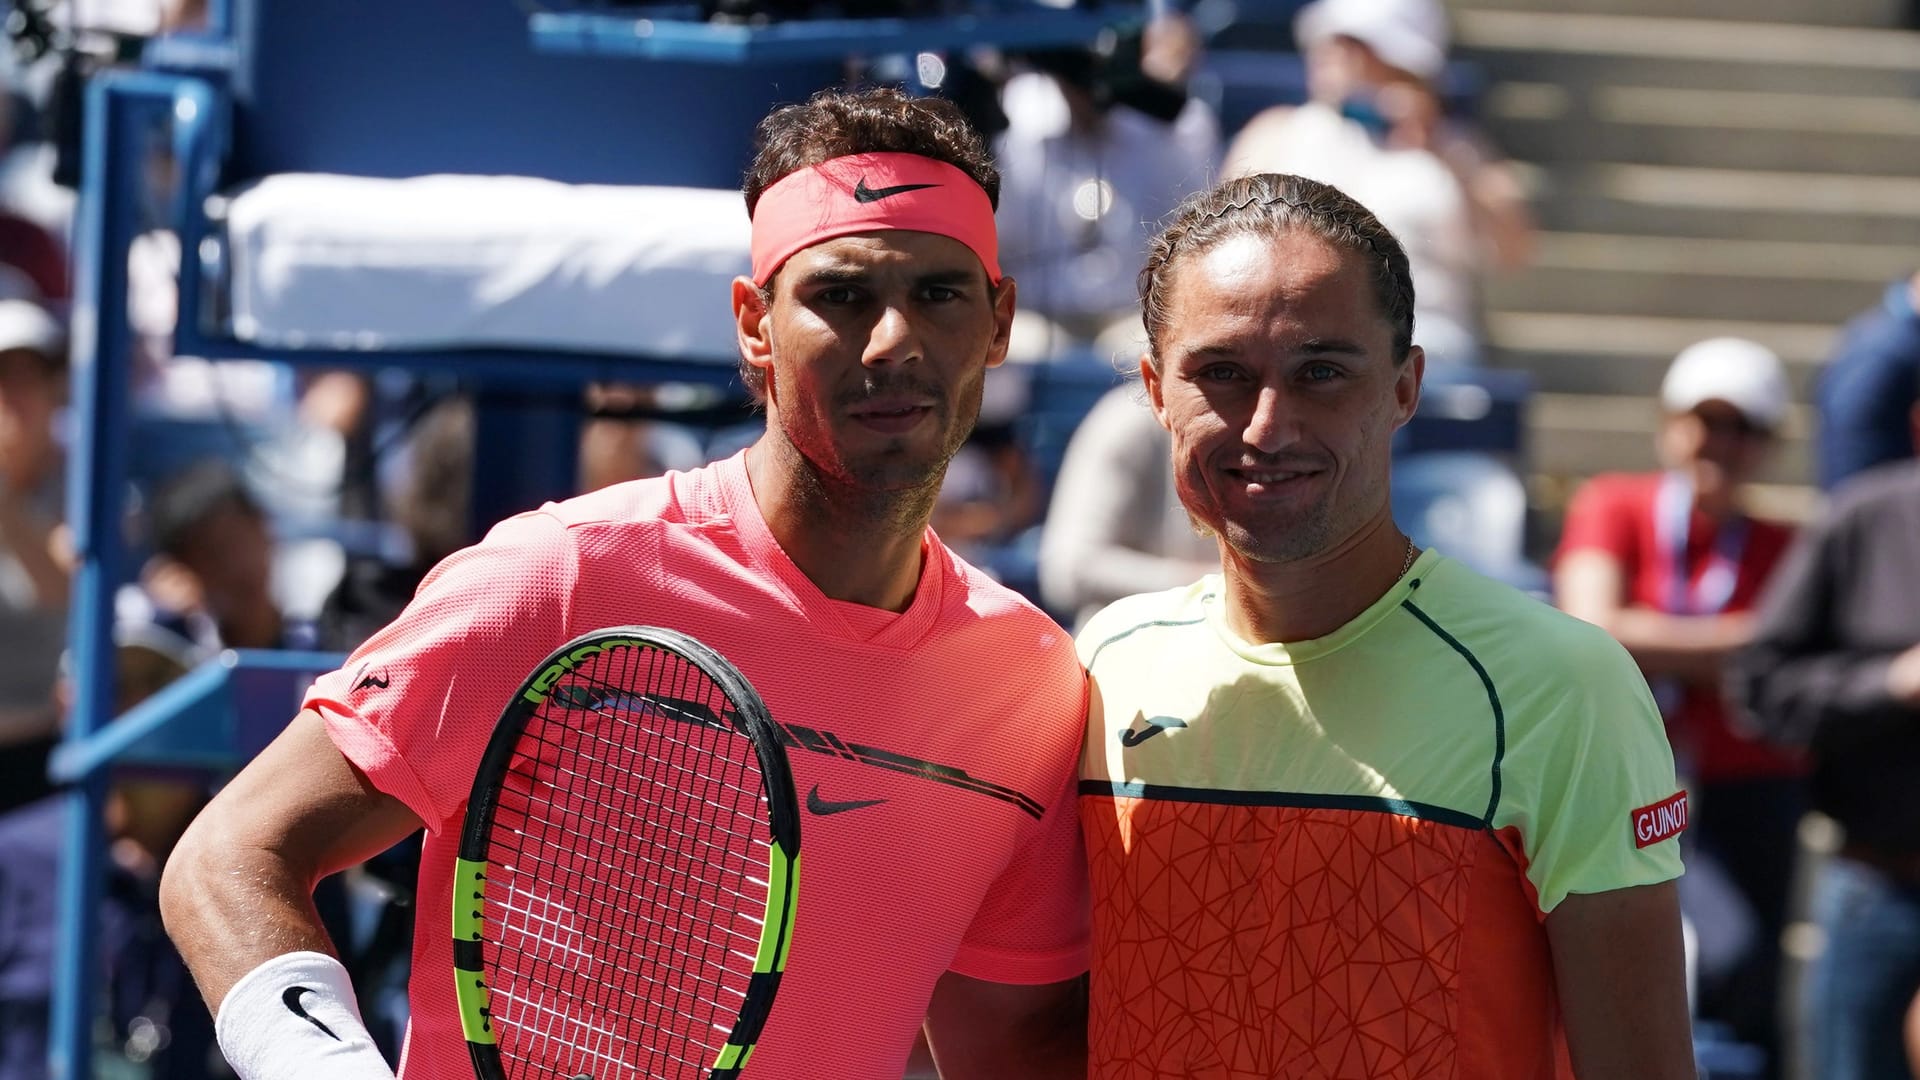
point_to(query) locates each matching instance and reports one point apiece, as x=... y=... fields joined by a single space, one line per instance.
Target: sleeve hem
x=1654 y=876
x=372 y=753
x=1020 y=968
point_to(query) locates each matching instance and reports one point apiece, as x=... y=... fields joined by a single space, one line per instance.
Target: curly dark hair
x=877 y=120
x=1267 y=204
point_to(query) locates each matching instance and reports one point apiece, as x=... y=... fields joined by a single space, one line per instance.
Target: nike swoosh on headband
x=863 y=193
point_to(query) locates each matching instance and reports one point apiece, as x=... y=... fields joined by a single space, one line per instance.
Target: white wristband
x=295 y=1018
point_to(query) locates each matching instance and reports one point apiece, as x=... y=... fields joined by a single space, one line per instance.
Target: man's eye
x=942 y=293
x=1321 y=372
x=1219 y=373
x=839 y=294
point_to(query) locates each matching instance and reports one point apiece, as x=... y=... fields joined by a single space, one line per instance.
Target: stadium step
x=1620 y=429
x=1690 y=52
x=1751 y=169
x=1832 y=12
x=1628 y=354
x=1723 y=296
x=1783 y=132
x=1680 y=204
x=1611 y=67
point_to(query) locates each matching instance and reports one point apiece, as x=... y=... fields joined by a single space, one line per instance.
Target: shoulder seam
x=1493 y=699
x=1136 y=628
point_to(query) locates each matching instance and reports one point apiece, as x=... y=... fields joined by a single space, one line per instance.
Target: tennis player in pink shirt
x=934 y=716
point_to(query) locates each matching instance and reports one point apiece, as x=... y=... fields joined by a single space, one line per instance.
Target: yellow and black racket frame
x=750 y=718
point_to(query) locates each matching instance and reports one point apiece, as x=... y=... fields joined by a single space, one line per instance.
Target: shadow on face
x=1715 y=445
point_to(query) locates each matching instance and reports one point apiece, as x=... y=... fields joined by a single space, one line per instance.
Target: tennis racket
x=627 y=874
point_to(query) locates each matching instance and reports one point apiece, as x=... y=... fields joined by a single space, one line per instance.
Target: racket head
x=628 y=868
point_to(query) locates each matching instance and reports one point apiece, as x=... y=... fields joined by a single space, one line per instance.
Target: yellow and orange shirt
x=1334 y=858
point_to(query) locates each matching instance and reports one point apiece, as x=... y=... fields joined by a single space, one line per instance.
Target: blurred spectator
x=990 y=495
x=431 y=504
x=1374 y=126
x=33 y=261
x=1834 y=666
x=155 y=1023
x=1115 y=526
x=210 y=579
x=1869 y=385
x=1671 y=564
x=34 y=568
x=207 y=587
x=32 y=264
x=1096 y=150
x=30 y=834
x=615 y=448
x=153 y=1020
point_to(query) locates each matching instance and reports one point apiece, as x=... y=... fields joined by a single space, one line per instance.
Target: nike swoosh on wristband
x=865 y=194
x=820 y=806
x=291 y=995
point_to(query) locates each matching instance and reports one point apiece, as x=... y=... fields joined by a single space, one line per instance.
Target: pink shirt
x=963 y=715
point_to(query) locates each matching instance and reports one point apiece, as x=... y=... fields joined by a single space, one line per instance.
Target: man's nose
x=895 y=339
x=1274 y=424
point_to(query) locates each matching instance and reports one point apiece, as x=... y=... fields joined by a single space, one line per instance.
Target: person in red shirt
x=1671 y=564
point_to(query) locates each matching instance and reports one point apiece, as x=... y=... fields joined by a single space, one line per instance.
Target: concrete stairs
x=1752 y=168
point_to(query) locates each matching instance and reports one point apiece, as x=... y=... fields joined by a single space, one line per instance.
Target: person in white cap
x=1672 y=564
x=1374 y=126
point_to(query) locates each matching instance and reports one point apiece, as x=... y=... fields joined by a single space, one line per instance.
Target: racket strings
x=628 y=875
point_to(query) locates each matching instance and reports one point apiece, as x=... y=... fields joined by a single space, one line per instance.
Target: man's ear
x=1003 y=309
x=1150 y=378
x=751 y=317
x=1406 y=385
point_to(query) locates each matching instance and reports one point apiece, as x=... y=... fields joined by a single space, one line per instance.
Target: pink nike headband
x=867 y=193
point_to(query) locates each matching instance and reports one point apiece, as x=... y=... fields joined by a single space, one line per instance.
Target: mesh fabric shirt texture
x=958 y=722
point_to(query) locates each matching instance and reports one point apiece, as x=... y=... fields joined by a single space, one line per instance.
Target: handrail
x=205 y=701
x=122 y=108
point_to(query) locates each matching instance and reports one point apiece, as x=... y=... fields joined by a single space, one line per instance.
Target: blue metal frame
x=122 y=108
x=656 y=37
x=215 y=716
x=519 y=366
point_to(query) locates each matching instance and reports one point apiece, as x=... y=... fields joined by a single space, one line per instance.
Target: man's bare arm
x=1620 y=966
x=238 y=890
x=981 y=1030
